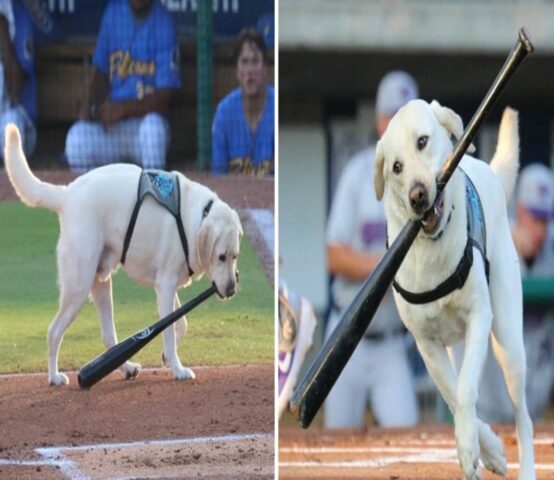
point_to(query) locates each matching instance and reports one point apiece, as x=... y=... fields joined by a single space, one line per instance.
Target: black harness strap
x=476 y=237
x=165 y=189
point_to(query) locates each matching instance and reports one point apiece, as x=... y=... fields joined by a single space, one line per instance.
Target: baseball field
x=220 y=424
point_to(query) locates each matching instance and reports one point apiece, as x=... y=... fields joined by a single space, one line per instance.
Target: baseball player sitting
x=378 y=372
x=17 y=73
x=243 y=126
x=136 y=66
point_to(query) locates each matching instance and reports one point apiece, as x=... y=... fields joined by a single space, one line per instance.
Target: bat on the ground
x=312 y=390
x=113 y=358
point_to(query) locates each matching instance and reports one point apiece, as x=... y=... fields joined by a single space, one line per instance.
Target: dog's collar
x=476 y=237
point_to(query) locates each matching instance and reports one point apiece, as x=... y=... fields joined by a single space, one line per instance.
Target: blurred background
x=332 y=55
x=66 y=32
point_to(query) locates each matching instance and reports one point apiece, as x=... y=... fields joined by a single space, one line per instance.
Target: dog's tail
x=29 y=188
x=505 y=162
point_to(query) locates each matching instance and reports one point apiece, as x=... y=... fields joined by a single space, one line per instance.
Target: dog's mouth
x=432 y=218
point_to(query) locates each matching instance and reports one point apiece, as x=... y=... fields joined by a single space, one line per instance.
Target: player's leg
x=152 y=141
x=393 y=399
x=346 y=403
x=90 y=145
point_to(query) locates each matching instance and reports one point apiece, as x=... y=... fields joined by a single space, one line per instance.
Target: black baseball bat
x=107 y=362
x=313 y=389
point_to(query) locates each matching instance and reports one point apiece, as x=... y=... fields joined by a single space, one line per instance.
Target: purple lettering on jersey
x=373 y=232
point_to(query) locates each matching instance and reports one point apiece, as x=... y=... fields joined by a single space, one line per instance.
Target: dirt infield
x=219 y=425
x=424 y=453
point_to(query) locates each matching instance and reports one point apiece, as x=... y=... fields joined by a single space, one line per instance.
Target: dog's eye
x=422 y=142
x=397 y=167
x=222 y=258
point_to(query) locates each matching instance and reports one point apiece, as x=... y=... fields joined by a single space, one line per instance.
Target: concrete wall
x=302 y=213
x=422 y=25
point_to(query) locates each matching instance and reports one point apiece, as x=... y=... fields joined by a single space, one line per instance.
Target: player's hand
x=109 y=113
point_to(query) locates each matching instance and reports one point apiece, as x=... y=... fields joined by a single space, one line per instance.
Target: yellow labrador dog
x=461 y=278
x=95 y=212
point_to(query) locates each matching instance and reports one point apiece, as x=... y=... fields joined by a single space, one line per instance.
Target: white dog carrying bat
x=461 y=279
x=116 y=214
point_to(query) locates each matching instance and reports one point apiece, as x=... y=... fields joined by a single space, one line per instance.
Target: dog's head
x=217 y=247
x=410 y=154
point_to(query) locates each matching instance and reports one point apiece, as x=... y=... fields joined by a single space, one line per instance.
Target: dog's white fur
x=476 y=310
x=94 y=213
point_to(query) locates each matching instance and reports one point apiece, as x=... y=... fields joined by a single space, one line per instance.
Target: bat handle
x=521 y=49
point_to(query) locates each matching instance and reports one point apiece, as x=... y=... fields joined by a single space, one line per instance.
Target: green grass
x=239 y=330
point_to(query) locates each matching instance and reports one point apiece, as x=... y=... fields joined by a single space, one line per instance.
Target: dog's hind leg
x=101 y=294
x=75 y=278
x=508 y=347
x=440 y=368
x=166 y=293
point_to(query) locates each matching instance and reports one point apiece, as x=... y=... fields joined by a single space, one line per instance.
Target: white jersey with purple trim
x=357 y=219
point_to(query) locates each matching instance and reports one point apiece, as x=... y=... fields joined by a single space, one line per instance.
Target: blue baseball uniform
x=23 y=114
x=235 y=148
x=138 y=56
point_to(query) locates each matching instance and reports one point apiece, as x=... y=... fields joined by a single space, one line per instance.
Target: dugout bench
x=64 y=73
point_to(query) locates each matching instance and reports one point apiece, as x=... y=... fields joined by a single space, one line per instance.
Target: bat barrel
x=313 y=389
x=316 y=384
x=107 y=362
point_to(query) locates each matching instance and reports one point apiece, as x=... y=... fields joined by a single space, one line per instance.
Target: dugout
x=65 y=39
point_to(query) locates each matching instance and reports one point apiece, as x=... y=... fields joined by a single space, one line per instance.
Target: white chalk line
x=418 y=455
x=394 y=449
x=157 y=443
x=57 y=456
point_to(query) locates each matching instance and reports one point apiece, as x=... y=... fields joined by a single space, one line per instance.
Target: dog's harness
x=164 y=188
x=476 y=237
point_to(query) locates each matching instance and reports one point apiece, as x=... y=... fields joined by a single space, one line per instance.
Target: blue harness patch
x=164 y=188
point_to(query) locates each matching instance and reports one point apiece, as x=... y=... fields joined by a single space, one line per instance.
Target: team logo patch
x=164 y=183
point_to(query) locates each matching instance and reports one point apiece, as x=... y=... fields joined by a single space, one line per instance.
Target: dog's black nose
x=230 y=290
x=419 y=199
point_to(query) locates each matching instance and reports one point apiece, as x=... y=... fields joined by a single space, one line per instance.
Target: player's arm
x=350 y=264
x=98 y=93
x=14 y=76
x=158 y=101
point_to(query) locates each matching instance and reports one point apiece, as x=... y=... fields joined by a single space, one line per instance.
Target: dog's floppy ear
x=237 y=219
x=205 y=243
x=451 y=121
x=378 y=174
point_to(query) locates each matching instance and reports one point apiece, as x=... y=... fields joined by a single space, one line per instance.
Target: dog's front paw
x=183 y=373
x=492 y=451
x=130 y=370
x=58 y=379
x=469 y=461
